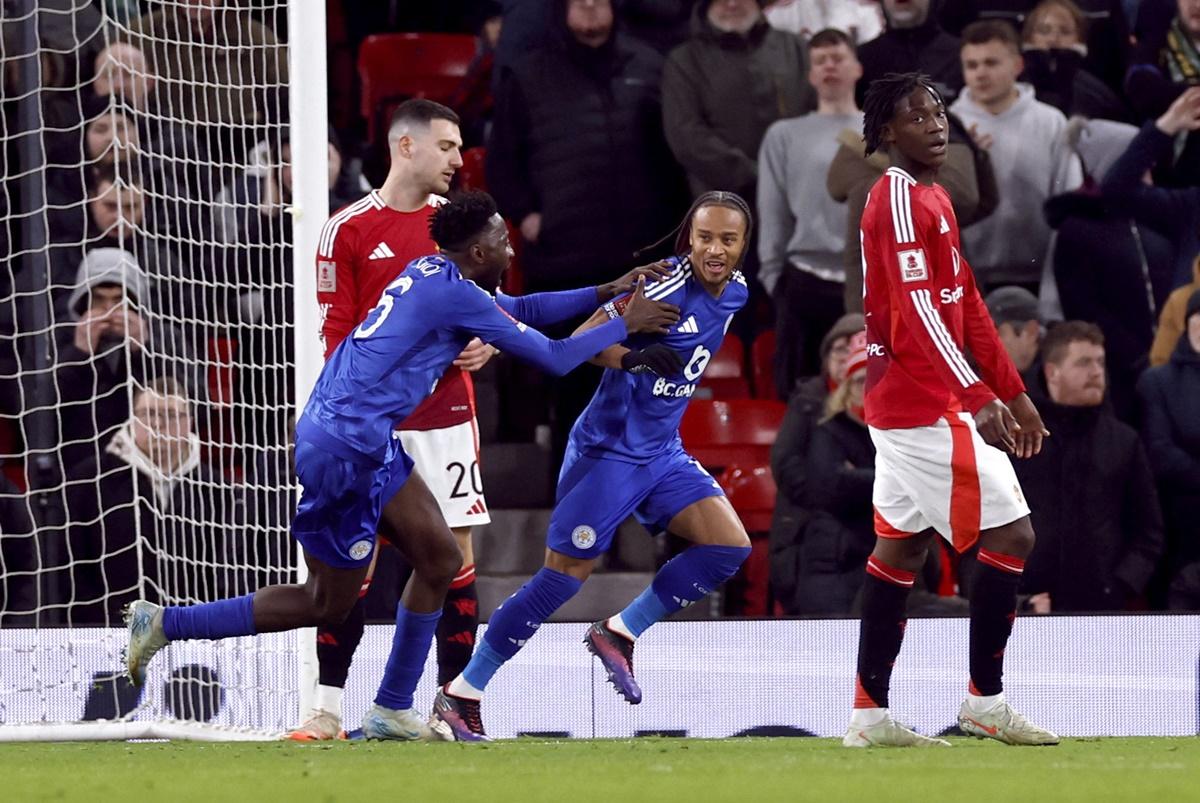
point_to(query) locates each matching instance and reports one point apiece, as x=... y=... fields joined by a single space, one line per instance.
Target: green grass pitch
x=652 y=769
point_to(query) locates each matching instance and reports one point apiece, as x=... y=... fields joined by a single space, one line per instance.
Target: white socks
x=459 y=687
x=866 y=717
x=980 y=704
x=329 y=698
x=617 y=625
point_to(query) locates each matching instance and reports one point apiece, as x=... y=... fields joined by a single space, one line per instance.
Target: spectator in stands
x=1170 y=397
x=840 y=465
x=115 y=339
x=1174 y=212
x=1171 y=324
x=18 y=558
x=966 y=175
x=806 y=406
x=1026 y=141
x=474 y=100
x=1091 y=490
x=121 y=72
x=143 y=500
x=661 y=24
x=578 y=161
x=221 y=69
x=802 y=230
x=724 y=87
x=862 y=20
x=1163 y=65
x=1014 y=311
x=578 y=127
x=1054 y=43
x=913 y=42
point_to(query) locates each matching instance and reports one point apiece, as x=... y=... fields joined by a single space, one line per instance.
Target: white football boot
x=1002 y=723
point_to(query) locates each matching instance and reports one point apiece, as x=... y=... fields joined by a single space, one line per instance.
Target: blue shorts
x=596 y=494
x=342 y=499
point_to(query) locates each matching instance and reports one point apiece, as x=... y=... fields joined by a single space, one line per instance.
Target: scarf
x=1180 y=56
x=163 y=483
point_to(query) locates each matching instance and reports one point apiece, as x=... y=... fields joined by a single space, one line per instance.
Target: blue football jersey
x=423 y=320
x=635 y=417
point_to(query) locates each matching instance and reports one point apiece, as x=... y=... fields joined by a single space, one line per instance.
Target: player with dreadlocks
x=935 y=423
x=349 y=464
x=624 y=457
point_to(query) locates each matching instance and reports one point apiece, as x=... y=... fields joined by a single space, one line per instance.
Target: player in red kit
x=363 y=248
x=936 y=424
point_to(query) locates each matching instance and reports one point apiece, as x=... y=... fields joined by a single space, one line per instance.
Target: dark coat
x=1174 y=212
x=789 y=465
x=926 y=48
x=577 y=136
x=722 y=91
x=193 y=547
x=1095 y=511
x=841 y=531
x=1170 y=397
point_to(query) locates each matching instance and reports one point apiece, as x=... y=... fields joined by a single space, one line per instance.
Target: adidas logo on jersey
x=381 y=252
x=944 y=227
x=689 y=326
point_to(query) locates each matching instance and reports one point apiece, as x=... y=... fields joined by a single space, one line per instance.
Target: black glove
x=656 y=358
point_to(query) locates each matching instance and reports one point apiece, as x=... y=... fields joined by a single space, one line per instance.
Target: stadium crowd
x=1073 y=167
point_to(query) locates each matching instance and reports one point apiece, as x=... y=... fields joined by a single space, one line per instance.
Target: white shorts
x=448 y=460
x=946 y=477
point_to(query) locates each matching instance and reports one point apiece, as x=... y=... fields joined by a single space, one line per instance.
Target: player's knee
x=440 y=558
x=330 y=609
x=1015 y=539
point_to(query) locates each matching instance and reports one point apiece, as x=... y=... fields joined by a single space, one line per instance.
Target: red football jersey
x=363 y=247
x=922 y=307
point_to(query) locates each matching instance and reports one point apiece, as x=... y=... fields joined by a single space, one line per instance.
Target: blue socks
x=517 y=620
x=211 y=620
x=686 y=578
x=410 y=648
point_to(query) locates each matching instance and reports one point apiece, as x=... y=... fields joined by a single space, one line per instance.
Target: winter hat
x=1012 y=304
x=849 y=324
x=114 y=266
x=858 y=355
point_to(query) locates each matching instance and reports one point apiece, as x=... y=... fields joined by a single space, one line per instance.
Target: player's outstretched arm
x=547 y=309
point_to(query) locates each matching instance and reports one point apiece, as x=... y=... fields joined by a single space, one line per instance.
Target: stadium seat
x=722 y=433
x=725 y=376
x=751 y=491
x=472 y=176
x=762 y=365
x=396 y=66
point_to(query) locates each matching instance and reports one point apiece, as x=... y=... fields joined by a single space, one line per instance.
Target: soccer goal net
x=156 y=294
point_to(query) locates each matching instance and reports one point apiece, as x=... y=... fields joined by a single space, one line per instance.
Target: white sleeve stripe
x=666 y=286
x=901 y=211
x=330 y=229
x=941 y=338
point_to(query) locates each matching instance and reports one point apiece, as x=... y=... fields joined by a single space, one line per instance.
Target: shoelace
x=474 y=721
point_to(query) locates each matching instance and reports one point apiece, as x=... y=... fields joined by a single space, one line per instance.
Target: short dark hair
x=106 y=172
x=421 y=111
x=457 y=224
x=879 y=106
x=1062 y=335
x=1076 y=15
x=831 y=37
x=981 y=32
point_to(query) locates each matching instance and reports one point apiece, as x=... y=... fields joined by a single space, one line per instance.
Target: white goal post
x=159 y=330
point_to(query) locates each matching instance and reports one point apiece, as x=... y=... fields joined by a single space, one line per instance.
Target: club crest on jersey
x=583 y=537
x=326 y=277
x=360 y=549
x=912 y=265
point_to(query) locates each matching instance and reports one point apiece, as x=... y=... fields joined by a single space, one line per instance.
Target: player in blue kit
x=625 y=457
x=349 y=462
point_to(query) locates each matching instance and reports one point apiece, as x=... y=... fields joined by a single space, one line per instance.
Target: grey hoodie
x=1032 y=161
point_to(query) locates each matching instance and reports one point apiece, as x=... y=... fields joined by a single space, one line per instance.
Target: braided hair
x=879 y=107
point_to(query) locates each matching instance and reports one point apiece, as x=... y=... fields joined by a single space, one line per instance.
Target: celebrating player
x=349 y=464
x=935 y=424
x=363 y=248
x=624 y=457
